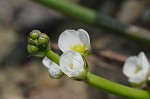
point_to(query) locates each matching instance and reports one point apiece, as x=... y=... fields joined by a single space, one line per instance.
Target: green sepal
x=87 y=52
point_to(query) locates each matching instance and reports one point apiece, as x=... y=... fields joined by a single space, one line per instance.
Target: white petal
x=47 y=62
x=75 y=59
x=84 y=37
x=78 y=68
x=142 y=61
x=55 y=71
x=78 y=58
x=138 y=78
x=130 y=66
x=67 y=39
x=66 y=58
x=78 y=62
x=69 y=72
x=65 y=61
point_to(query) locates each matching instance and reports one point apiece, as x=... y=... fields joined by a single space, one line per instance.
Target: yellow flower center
x=79 y=48
x=137 y=70
x=71 y=66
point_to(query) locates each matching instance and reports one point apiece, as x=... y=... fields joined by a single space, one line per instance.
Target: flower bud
x=33 y=42
x=32 y=49
x=43 y=39
x=38 y=43
x=34 y=34
x=53 y=69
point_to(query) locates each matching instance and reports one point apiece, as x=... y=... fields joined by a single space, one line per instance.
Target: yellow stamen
x=71 y=66
x=137 y=70
x=79 y=48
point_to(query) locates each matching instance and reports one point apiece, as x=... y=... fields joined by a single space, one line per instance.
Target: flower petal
x=138 y=78
x=69 y=72
x=65 y=61
x=130 y=66
x=75 y=60
x=67 y=39
x=47 y=62
x=143 y=62
x=77 y=67
x=55 y=71
x=66 y=58
x=84 y=37
x=75 y=40
x=78 y=62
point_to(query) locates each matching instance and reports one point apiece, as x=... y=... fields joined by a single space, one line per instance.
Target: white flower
x=78 y=41
x=53 y=69
x=136 y=68
x=73 y=65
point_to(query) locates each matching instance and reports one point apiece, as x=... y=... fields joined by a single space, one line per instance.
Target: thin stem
x=117 y=89
x=71 y=9
x=53 y=56
x=91 y=17
x=107 y=85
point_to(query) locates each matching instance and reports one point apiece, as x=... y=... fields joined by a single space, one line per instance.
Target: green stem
x=91 y=17
x=71 y=9
x=53 y=56
x=117 y=89
x=107 y=85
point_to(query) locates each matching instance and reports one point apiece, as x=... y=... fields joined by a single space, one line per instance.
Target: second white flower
x=136 y=68
x=73 y=65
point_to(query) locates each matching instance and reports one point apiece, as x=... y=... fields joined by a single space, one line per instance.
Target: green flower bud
x=33 y=42
x=38 y=43
x=43 y=39
x=32 y=49
x=34 y=34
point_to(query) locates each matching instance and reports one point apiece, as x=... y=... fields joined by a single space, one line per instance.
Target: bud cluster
x=38 y=43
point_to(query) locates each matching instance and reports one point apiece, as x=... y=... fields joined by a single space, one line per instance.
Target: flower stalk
x=117 y=89
x=52 y=56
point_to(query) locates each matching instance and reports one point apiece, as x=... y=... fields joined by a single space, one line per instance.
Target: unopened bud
x=33 y=42
x=43 y=39
x=38 y=43
x=32 y=49
x=34 y=34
